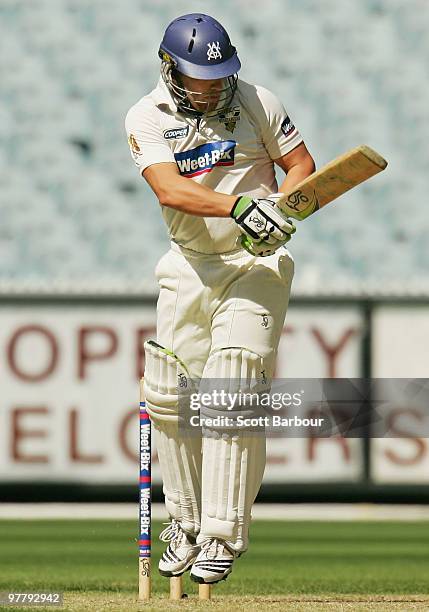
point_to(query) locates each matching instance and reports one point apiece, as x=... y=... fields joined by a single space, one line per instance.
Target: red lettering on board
x=419 y=444
x=12 y=353
x=76 y=454
x=332 y=351
x=86 y=355
x=19 y=434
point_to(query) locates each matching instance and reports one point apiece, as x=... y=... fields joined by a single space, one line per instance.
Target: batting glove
x=264 y=225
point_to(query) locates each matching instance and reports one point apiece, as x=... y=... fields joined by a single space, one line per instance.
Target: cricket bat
x=331 y=181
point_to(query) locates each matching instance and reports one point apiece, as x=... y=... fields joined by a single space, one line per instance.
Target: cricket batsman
x=207 y=143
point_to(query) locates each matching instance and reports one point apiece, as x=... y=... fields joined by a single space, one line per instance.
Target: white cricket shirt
x=231 y=153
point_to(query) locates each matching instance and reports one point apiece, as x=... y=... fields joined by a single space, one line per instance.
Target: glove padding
x=265 y=227
x=261 y=249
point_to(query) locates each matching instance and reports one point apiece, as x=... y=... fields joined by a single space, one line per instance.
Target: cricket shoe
x=213 y=563
x=181 y=552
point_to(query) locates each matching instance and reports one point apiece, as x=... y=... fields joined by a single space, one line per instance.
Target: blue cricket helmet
x=199 y=47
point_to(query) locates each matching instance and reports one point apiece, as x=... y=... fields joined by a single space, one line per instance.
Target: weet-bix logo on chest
x=204 y=158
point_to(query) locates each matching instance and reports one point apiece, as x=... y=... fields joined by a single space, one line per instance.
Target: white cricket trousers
x=215 y=301
x=209 y=306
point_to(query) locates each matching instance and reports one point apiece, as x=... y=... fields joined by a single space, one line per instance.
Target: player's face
x=203 y=94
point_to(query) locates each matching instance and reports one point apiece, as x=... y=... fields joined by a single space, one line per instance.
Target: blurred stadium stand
x=75 y=216
x=80 y=232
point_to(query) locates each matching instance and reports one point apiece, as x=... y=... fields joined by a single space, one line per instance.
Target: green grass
x=301 y=559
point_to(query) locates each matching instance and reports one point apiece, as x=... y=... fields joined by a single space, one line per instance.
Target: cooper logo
x=176 y=133
x=204 y=158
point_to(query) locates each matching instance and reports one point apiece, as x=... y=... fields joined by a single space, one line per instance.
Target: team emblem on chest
x=230 y=118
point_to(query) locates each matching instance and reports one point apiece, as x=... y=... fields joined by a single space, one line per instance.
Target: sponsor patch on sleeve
x=204 y=158
x=287 y=126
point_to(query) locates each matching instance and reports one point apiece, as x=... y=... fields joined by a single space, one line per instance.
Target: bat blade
x=331 y=181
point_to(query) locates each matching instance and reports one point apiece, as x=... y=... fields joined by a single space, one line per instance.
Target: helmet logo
x=213 y=52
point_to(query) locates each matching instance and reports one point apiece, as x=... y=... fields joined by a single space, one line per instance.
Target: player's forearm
x=296 y=174
x=194 y=199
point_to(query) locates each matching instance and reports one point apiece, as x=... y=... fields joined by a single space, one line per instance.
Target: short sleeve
x=279 y=133
x=145 y=138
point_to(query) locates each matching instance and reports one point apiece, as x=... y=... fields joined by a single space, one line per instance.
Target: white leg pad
x=180 y=463
x=232 y=474
x=233 y=465
x=179 y=459
x=163 y=370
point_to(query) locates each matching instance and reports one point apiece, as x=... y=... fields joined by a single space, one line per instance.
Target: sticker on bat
x=145 y=568
x=304 y=205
